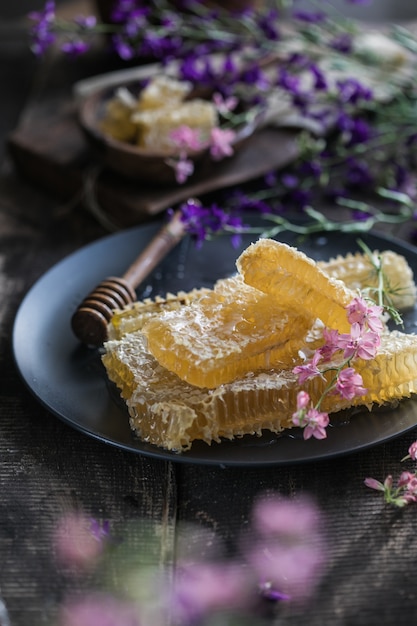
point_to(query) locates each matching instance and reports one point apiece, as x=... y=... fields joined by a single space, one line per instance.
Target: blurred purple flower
x=286 y=546
x=320 y=82
x=129 y=11
x=268 y=25
x=272 y=516
x=79 y=540
x=41 y=31
x=202 y=222
x=98 y=609
x=342 y=43
x=352 y=90
x=122 y=47
x=309 y=17
x=201 y=589
x=358 y=173
x=74 y=47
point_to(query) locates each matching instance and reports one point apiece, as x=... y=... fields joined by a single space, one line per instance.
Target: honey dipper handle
x=89 y=321
x=155 y=251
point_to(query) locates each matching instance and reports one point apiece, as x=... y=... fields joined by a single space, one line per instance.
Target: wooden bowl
x=131 y=161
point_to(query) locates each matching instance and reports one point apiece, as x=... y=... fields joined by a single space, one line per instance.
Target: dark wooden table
x=46 y=467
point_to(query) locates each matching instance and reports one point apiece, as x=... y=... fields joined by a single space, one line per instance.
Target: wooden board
x=48 y=148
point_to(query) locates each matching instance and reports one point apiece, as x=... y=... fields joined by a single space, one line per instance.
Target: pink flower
x=203 y=588
x=293 y=570
x=98 y=610
x=224 y=105
x=302 y=400
x=412 y=485
x=360 y=343
x=310 y=370
x=285 y=548
x=77 y=541
x=187 y=138
x=331 y=345
x=349 y=384
x=359 y=312
x=183 y=168
x=405 y=479
x=220 y=143
x=412 y=451
x=372 y=483
x=316 y=423
x=287 y=518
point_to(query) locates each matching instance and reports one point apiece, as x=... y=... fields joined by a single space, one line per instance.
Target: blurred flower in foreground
x=202 y=589
x=286 y=548
x=280 y=558
x=79 y=540
x=98 y=609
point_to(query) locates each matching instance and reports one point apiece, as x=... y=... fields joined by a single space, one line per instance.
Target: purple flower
x=309 y=16
x=128 y=11
x=196 y=69
x=87 y=23
x=267 y=24
x=41 y=32
x=288 y=82
x=290 y=180
x=201 y=222
x=75 y=47
x=358 y=174
x=123 y=48
x=342 y=43
x=360 y=132
x=320 y=82
x=352 y=91
x=255 y=77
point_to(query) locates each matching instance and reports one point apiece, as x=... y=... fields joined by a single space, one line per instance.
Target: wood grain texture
x=46 y=467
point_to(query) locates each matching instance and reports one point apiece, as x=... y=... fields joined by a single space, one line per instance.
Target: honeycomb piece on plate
x=357 y=271
x=226 y=333
x=169 y=412
x=292 y=279
x=134 y=316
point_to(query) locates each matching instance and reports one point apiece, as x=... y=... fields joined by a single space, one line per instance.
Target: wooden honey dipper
x=89 y=321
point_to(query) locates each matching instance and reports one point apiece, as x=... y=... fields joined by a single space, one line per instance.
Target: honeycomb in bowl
x=155 y=126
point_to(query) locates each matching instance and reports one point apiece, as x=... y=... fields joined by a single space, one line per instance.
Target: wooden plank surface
x=46 y=467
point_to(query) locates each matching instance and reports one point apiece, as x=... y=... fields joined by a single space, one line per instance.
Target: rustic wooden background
x=46 y=467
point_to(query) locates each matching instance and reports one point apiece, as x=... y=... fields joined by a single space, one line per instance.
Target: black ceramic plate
x=70 y=381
